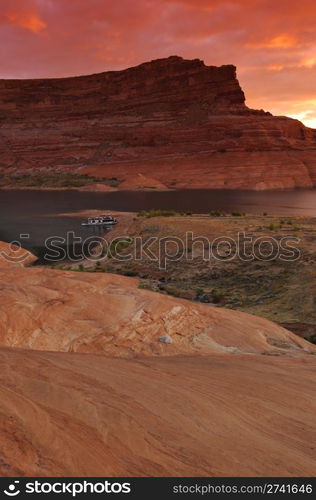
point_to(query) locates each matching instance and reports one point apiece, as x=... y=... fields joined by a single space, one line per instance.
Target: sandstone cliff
x=177 y=122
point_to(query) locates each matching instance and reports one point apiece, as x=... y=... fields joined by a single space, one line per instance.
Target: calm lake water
x=33 y=212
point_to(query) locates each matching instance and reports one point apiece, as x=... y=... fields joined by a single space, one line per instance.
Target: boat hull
x=98 y=224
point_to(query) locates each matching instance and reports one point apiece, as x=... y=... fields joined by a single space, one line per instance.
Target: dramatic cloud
x=22 y=14
x=273 y=44
x=28 y=21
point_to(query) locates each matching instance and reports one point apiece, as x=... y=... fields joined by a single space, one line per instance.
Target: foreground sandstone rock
x=207 y=404
x=177 y=122
x=103 y=313
x=14 y=256
x=67 y=414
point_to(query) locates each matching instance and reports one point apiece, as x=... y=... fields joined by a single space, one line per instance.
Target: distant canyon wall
x=178 y=122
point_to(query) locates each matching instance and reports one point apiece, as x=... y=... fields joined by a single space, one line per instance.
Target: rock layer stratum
x=177 y=122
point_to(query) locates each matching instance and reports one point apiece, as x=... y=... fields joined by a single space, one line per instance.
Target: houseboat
x=100 y=220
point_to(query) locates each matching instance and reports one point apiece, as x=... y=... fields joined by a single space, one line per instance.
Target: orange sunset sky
x=272 y=43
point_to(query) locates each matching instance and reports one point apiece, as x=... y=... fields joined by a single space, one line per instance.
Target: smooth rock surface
x=104 y=313
x=67 y=414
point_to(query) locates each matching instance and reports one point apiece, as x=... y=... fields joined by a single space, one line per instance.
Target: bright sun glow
x=306 y=117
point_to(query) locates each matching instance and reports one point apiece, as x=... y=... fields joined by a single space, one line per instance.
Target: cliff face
x=178 y=122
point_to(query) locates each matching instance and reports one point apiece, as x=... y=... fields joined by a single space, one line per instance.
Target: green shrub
x=217 y=213
x=157 y=213
x=97 y=267
x=117 y=246
x=217 y=295
x=145 y=286
x=236 y=213
x=54 y=179
x=130 y=273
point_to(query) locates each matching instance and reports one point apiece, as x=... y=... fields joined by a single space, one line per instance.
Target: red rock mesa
x=177 y=122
